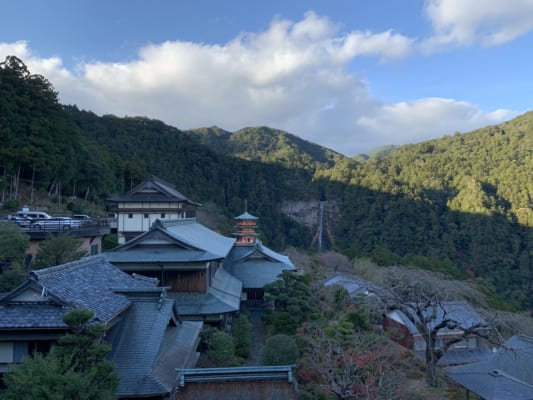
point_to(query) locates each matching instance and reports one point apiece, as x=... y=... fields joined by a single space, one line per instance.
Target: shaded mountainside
x=461 y=204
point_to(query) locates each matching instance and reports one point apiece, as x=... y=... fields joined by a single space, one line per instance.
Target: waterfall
x=320 y=224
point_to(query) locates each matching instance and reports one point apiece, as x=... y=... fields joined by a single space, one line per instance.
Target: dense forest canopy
x=461 y=204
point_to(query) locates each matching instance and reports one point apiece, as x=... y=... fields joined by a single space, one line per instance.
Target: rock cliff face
x=321 y=216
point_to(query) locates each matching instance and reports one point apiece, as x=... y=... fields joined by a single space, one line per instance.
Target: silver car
x=56 y=224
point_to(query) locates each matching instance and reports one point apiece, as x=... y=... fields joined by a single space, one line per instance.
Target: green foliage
x=109 y=242
x=221 y=349
x=241 y=331
x=11 y=205
x=293 y=303
x=13 y=243
x=11 y=277
x=59 y=249
x=280 y=350
x=268 y=145
x=76 y=368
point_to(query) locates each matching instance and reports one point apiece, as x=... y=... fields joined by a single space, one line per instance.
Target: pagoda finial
x=245 y=205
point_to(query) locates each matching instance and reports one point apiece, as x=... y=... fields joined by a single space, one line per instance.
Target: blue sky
x=349 y=75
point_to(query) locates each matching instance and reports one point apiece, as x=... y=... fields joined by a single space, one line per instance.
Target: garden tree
x=13 y=245
x=348 y=363
x=292 y=300
x=424 y=297
x=221 y=349
x=58 y=249
x=12 y=276
x=280 y=349
x=74 y=369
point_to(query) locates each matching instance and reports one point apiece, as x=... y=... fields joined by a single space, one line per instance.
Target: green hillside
x=268 y=145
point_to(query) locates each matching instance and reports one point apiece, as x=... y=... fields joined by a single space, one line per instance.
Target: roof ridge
x=178 y=221
x=69 y=266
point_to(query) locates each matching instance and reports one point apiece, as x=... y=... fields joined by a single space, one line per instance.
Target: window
x=130 y=215
x=145 y=215
x=6 y=352
x=163 y=215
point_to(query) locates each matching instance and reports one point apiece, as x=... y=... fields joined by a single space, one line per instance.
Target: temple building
x=154 y=199
x=206 y=273
x=254 y=264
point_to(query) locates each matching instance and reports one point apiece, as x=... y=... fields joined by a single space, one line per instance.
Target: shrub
x=240 y=332
x=280 y=350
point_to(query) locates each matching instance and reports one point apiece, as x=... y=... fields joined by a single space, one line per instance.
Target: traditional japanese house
x=148 y=340
x=189 y=258
x=153 y=199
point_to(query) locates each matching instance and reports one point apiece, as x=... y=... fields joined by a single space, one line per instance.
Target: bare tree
x=429 y=302
x=351 y=364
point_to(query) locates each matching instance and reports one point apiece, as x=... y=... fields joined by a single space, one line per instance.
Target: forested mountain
x=461 y=204
x=268 y=145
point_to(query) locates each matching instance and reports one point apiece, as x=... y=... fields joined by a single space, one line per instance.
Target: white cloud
x=468 y=22
x=433 y=117
x=293 y=76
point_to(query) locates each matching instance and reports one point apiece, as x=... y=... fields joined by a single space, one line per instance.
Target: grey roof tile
x=257 y=265
x=460 y=311
x=90 y=283
x=141 y=360
x=153 y=189
x=222 y=297
x=32 y=315
x=506 y=375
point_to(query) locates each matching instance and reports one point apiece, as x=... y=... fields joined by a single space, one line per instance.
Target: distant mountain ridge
x=267 y=145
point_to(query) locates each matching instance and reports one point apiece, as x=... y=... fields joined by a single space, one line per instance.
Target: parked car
x=56 y=224
x=20 y=221
x=30 y=214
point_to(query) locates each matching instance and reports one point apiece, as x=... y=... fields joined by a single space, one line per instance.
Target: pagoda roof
x=246 y=216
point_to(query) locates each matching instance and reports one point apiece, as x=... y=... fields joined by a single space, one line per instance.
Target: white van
x=29 y=214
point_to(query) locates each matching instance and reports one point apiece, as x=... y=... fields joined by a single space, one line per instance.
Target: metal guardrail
x=263 y=372
x=86 y=228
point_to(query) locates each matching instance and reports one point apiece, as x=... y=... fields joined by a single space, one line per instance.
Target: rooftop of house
x=256 y=265
x=223 y=296
x=153 y=189
x=506 y=375
x=182 y=240
x=149 y=344
x=460 y=312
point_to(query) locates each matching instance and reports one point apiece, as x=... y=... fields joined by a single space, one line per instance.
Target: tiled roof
x=223 y=296
x=352 y=283
x=153 y=189
x=148 y=255
x=458 y=311
x=192 y=233
x=32 y=316
x=507 y=375
x=257 y=265
x=136 y=344
x=90 y=283
x=246 y=216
